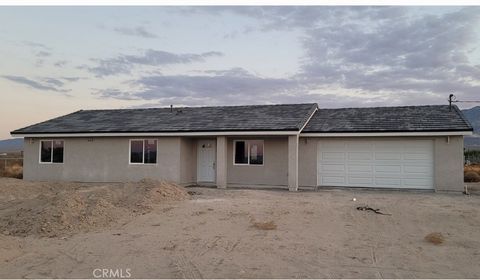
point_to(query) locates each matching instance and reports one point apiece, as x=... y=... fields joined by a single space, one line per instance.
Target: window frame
x=143 y=151
x=247 y=142
x=51 y=153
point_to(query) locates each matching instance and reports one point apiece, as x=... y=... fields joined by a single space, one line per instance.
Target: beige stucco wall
x=275 y=164
x=449 y=163
x=307 y=164
x=448 y=160
x=103 y=160
x=221 y=162
x=188 y=161
x=106 y=160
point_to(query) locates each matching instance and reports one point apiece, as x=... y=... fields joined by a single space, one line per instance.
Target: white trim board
x=247 y=133
x=146 y=134
x=380 y=134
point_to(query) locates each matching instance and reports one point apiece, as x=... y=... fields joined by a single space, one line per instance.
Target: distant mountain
x=11 y=145
x=473 y=116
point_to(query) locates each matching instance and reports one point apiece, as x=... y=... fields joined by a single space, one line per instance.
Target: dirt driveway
x=318 y=235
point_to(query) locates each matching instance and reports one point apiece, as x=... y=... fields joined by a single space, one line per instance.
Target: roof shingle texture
x=186 y=119
x=388 y=119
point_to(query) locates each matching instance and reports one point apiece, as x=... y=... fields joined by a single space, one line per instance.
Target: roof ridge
x=195 y=107
x=398 y=106
x=304 y=122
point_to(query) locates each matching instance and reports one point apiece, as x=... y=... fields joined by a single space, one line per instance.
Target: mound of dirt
x=60 y=209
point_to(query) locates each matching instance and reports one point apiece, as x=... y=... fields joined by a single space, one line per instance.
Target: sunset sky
x=56 y=60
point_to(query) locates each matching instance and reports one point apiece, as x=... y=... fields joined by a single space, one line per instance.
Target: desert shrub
x=471 y=176
x=435 y=238
x=13 y=171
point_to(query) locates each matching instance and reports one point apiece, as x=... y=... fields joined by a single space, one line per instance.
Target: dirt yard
x=248 y=234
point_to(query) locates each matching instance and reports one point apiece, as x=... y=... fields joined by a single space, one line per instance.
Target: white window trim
x=143 y=152
x=247 y=141
x=51 y=153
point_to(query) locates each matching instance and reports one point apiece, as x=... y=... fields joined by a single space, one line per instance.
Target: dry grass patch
x=13 y=171
x=265 y=225
x=435 y=238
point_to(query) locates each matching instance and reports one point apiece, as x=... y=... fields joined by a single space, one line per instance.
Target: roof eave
x=150 y=134
x=387 y=133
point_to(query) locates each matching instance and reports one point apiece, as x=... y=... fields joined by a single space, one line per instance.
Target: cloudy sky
x=55 y=60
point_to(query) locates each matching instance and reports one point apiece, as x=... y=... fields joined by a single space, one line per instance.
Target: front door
x=206 y=161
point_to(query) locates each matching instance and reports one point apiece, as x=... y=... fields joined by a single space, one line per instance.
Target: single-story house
x=288 y=145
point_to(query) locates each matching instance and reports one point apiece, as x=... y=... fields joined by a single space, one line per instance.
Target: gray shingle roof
x=288 y=117
x=388 y=119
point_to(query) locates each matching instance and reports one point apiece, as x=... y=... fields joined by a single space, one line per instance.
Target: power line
x=467 y=101
x=453 y=99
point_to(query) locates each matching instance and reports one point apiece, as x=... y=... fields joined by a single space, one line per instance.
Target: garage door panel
x=366 y=181
x=417 y=183
x=388 y=156
x=360 y=168
x=380 y=168
x=359 y=146
x=414 y=169
x=417 y=156
x=418 y=145
x=333 y=180
x=388 y=182
x=388 y=146
x=360 y=155
x=376 y=163
x=332 y=167
x=333 y=156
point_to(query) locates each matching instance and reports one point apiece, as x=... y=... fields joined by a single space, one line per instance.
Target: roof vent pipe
x=451 y=99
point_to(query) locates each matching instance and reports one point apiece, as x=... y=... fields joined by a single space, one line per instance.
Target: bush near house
x=471 y=176
x=13 y=171
x=11 y=165
x=472 y=166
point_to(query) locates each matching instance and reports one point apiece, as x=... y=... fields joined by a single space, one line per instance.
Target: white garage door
x=376 y=163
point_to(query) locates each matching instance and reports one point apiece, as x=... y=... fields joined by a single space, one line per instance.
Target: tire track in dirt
x=186 y=268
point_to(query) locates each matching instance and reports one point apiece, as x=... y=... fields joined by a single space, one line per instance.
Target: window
x=256 y=152
x=248 y=152
x=241 y=152
x=143 y=151
x=51 y=151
